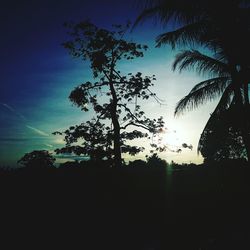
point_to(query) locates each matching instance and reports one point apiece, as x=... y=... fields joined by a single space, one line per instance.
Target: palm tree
x=224 y=83
x=218 y=25
x=224 y=31
x=204 y=22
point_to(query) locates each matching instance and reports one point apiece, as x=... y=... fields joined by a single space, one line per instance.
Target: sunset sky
x=37 y=75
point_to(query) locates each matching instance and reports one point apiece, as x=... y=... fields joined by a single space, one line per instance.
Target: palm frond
x=220 y=54
x=201 y=93
x=188 y=34
x=209 y=82
x=181 y=12
x=176 y=11
x=203 y=64
x=146 y=14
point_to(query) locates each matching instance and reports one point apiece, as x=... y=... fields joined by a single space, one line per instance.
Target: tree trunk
x=117 y=144
x=246 y=95
x=247 y=120
x=115 y=122
x=243 y=119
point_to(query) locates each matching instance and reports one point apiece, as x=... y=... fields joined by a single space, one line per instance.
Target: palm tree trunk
x=247 y=122
x=246 y=95
x=243 y=119
x=246 y=140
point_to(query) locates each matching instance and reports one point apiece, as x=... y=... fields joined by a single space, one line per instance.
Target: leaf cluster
x=101 y=47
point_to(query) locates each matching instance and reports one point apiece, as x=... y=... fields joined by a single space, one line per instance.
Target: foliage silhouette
x=201 y=23
x=113 y=97
x=222 y=84
x=37 y=159
x=152 y=161
x=137 y=163
x=155 y=161
x=221 y=138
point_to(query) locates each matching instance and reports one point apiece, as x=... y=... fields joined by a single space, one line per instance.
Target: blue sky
x=37 y=75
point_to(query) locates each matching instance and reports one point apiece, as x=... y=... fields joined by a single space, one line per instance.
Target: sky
x=38 y=74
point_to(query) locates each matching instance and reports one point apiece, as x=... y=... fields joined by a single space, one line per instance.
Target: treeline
x=139 y=206
x=45 y=161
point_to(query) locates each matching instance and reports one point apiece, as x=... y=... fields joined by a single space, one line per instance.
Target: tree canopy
x=113 y=95
x=37 y=159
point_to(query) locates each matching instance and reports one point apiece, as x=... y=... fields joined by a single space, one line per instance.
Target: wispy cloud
x=6 y=139
x=38 y=131
x=12 y=110
x=18 y=114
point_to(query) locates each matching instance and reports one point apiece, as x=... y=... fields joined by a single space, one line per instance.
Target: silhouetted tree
x=155 y=161
x=221 y=138
x=37 y=159
x=137 y=163
x=111 y=96
x=223 y=84
x=201 y=22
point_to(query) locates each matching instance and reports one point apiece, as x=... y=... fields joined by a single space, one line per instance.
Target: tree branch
x=158 y=100
x=134 y=124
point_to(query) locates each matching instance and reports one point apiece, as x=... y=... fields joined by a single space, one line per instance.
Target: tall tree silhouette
x=113 y=96
x=223 y=83
x=202 y=23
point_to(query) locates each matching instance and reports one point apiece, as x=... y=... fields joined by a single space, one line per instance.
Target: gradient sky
x=37 y=75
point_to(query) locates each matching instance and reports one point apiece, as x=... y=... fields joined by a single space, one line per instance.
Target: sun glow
x=171 y=138
x=168 y=138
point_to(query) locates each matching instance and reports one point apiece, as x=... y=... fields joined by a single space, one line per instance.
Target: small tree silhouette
x=37 y=159
x=155 y=161
x=111 y=96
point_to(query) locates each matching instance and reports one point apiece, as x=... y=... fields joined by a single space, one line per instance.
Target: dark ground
x=195 y=208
